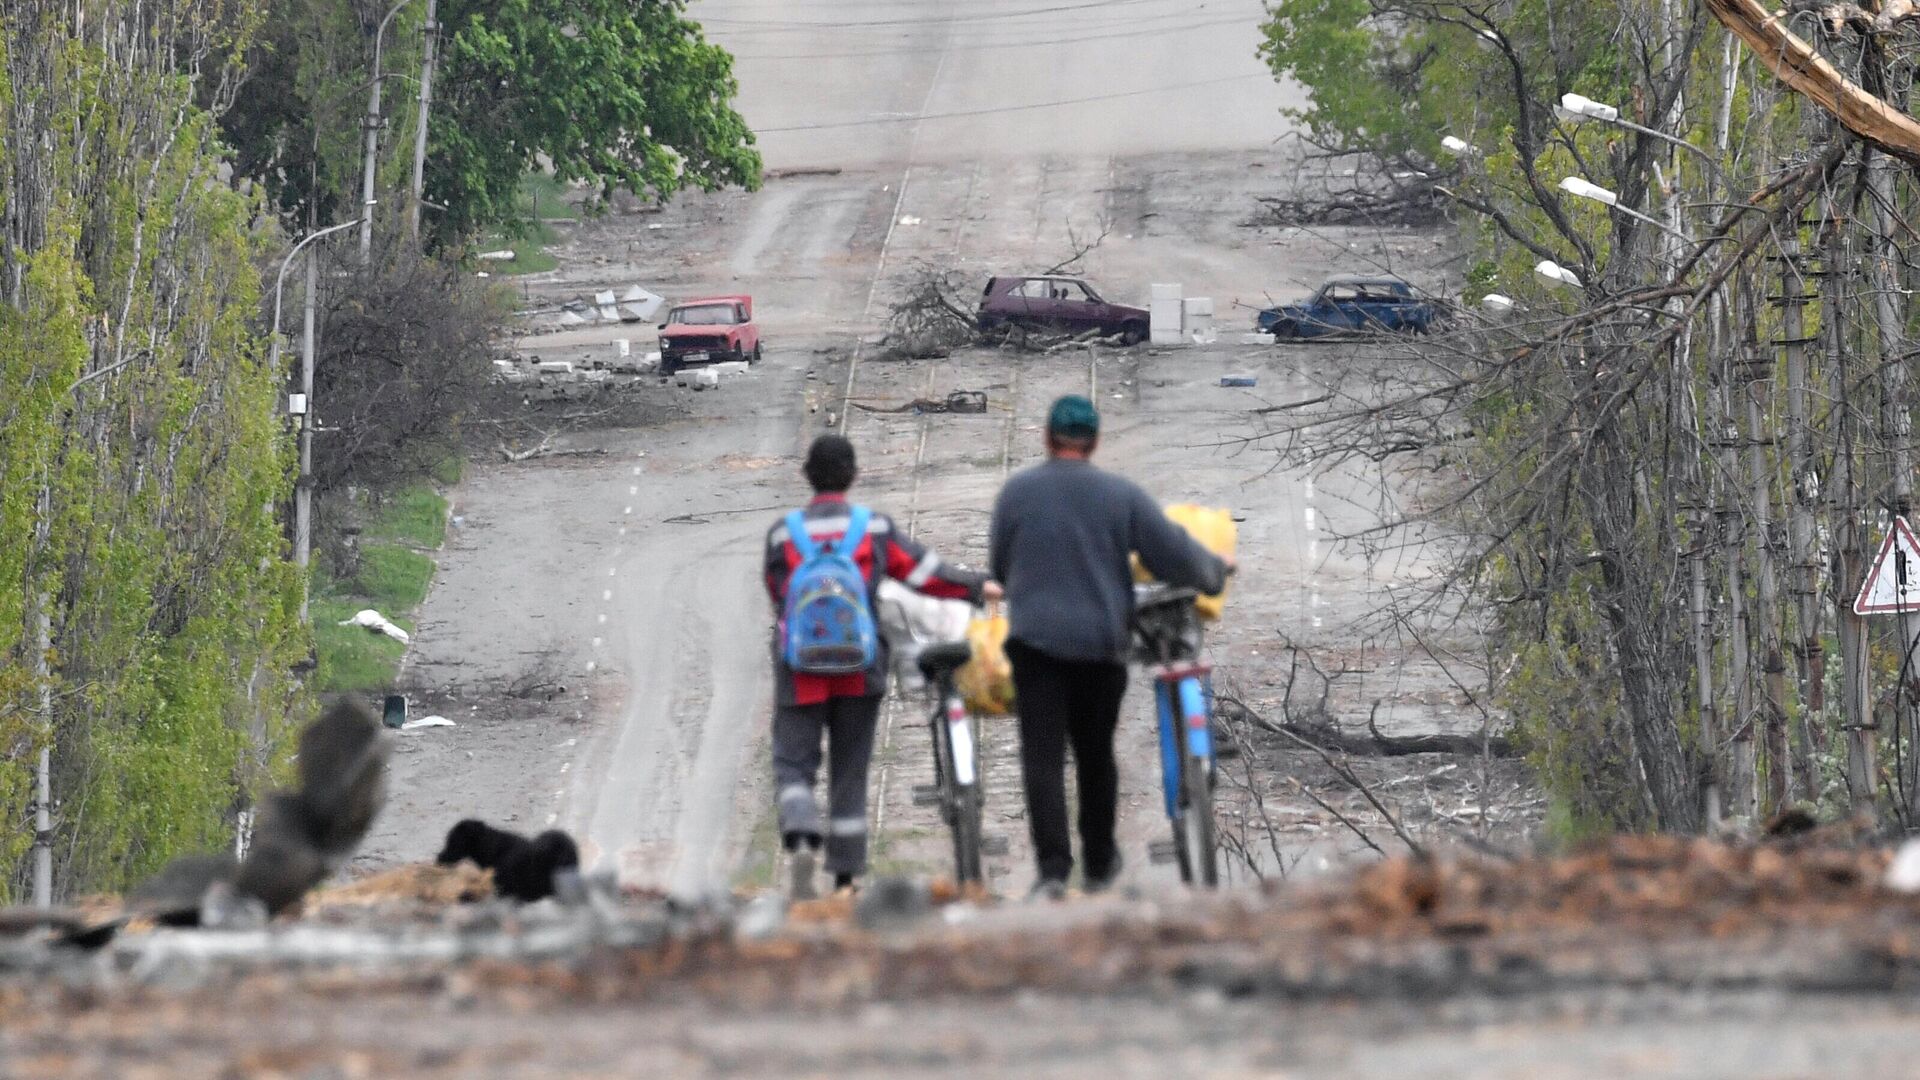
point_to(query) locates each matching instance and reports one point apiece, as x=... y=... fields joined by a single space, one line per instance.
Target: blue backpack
x=829 y=621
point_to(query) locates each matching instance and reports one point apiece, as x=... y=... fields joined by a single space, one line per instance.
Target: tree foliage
x=1674 y=470
x=620 y=94
x=142 y=457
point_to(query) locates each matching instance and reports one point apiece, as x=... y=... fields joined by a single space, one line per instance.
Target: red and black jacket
x=885 y=552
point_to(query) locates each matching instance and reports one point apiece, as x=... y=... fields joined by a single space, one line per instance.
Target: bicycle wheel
x=966 y=835
x=1200 y=862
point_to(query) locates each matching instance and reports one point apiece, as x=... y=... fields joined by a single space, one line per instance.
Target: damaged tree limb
x=1794 y=63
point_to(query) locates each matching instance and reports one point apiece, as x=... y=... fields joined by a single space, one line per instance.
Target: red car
x=709 y=331
x=1055 y=302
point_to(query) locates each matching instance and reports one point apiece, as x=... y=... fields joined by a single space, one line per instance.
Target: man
x=1062 y=535
x=843 y=707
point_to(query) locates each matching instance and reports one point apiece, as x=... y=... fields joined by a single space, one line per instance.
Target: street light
x=373 y=135
x=1453 y=144
x=1496 y=303
x=1574 y=185
x=1554 y=272
x=303 y=488
x=1576 y=108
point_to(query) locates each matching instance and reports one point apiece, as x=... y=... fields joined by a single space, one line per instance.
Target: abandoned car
x=1353 y=306
x=708 y=331
x=1059 y=304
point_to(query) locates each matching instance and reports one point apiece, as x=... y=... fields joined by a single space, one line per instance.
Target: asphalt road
x=570 y=570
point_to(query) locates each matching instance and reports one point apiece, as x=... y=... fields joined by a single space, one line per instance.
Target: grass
x=530 y=255
x=352 y=658
x=392 y=578
x=544 y=198
x=416 y=516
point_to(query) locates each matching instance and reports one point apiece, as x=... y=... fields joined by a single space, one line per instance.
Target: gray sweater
x=1062 y=533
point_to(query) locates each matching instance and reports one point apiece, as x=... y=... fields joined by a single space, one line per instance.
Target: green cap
x=1075 y=416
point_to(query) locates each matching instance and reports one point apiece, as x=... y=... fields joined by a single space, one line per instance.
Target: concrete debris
x=379 y=624
x=503 y=255
x=570 y=318
x=1258 y=337
x=426 y=722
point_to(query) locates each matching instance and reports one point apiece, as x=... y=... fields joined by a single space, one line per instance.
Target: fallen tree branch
x=1794 y=63
x=1376 y=744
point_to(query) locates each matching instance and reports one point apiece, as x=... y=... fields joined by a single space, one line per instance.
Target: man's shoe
x=1099 y=883
x=800 y=873
x=1048 y=889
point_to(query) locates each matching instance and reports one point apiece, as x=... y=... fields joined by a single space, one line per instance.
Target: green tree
x=623 y=95
x=142 y=453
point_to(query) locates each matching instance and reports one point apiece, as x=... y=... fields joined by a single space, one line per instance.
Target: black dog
x=523 y=869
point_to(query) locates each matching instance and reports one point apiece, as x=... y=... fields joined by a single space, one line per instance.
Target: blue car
x=1353 y=306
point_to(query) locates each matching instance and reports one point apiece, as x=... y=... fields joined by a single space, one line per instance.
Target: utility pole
x=43 y=795
x=372 y=125
x=431 y=31
x=303 y=488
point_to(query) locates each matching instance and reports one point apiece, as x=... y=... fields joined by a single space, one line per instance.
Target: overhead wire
x=998 y=109
x=793 y=24
x=982 y=46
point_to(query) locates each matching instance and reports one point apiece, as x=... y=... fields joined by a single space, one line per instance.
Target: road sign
x=1893 y=585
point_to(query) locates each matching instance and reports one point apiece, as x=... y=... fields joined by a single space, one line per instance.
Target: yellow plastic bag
x=1214 y=529
x=986 y=681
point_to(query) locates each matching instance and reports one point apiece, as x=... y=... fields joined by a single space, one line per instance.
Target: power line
x=1006 y=108
x=981 y=17
x=983 y=46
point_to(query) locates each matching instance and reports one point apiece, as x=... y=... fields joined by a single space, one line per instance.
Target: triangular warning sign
x=1893 y=585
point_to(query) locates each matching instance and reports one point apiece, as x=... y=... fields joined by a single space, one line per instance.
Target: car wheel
x=756 y=353
x=1133 y=333
x=1284 y=331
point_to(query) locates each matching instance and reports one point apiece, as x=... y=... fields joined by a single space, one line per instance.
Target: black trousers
x=847 y=723
x=1062 y=703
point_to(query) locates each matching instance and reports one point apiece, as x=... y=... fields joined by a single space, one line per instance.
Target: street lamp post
x=303 y=487
x=1556 y=273
x=373 y=136
x=1574 y=185
x=1576 y=108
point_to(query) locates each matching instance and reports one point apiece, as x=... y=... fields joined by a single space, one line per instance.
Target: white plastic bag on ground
x=377 y=623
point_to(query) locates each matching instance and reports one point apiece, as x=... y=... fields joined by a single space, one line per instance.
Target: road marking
x=606 y=594
x=634 y=490
x=623 y=530
x=628 y=510
x=596 y=643
x=591 y=665
x=603 y=618
x=1310 y=526
x=612 y=570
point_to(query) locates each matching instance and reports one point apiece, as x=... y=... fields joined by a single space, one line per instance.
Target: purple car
x=1059 y=304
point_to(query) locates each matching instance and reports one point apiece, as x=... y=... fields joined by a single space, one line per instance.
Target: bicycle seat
x=940 y=660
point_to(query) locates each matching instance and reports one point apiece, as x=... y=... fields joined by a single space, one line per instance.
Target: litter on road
x=378 y=624
x=426 y=722
x=1239 y=380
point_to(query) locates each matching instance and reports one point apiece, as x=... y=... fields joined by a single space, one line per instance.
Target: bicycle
x=1168 y=641
x=956 y=787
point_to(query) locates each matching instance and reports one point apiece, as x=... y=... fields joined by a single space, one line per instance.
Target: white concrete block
x=1166 y=292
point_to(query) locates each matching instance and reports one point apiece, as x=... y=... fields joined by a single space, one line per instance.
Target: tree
x=619 y=94
x=1731 y=360
x=143 y=452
